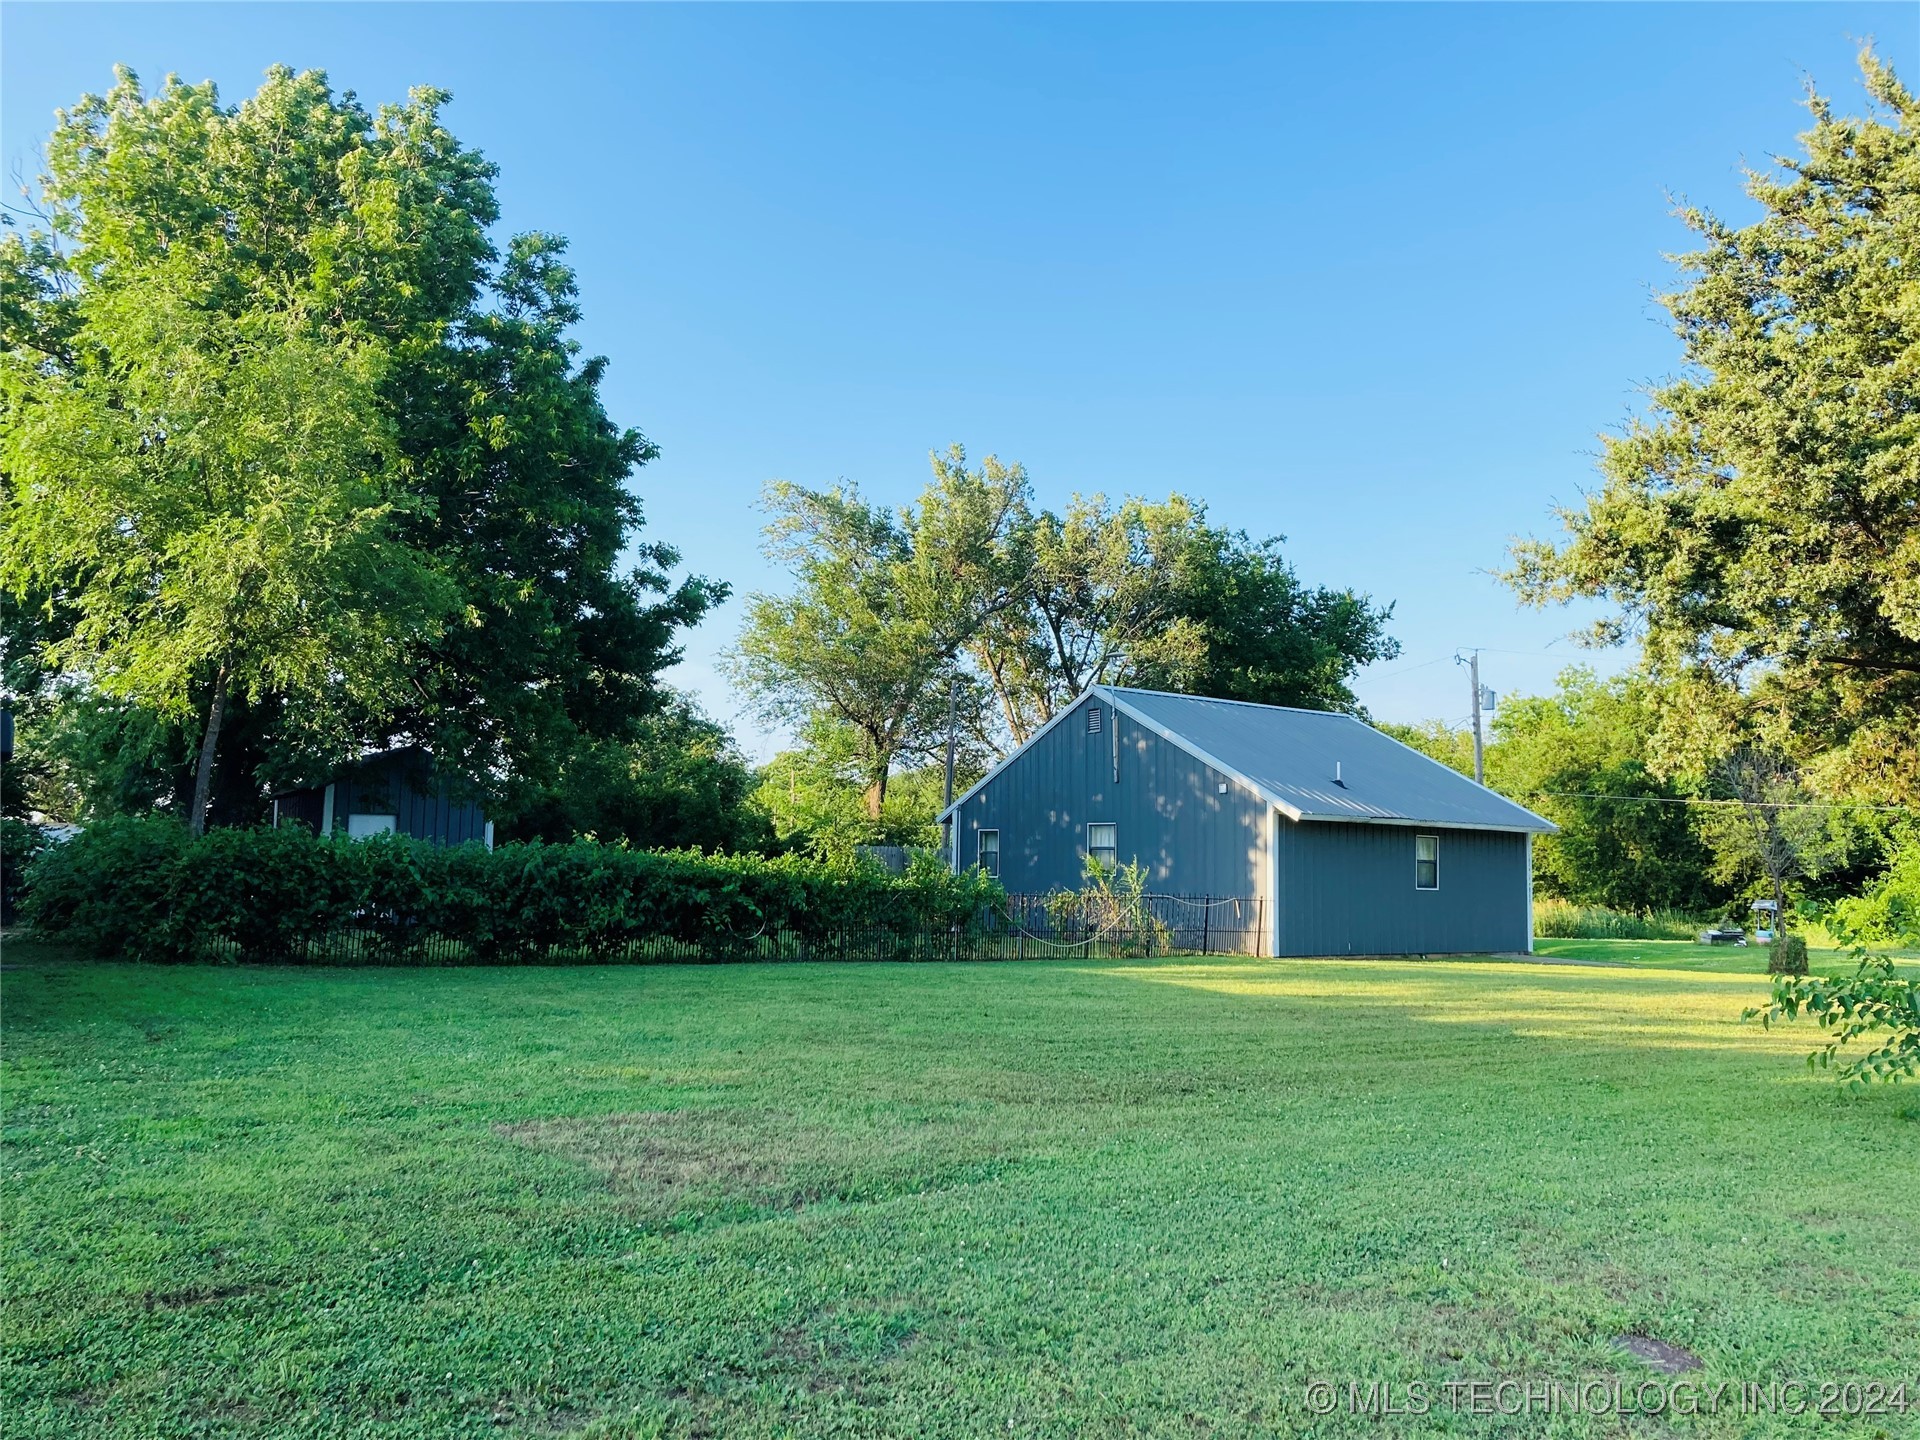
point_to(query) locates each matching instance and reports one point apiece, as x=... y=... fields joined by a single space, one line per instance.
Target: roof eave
x=1545 y=827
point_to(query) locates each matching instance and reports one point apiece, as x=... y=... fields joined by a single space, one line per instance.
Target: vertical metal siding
x=1170 y=814
x=422 y=806
x=1347 y=889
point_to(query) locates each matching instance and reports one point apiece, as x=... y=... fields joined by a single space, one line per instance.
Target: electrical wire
x=1695 y=800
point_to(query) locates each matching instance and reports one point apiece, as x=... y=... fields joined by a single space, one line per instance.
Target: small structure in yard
x=1354 y=843
x=397 y=792
x=891 y=858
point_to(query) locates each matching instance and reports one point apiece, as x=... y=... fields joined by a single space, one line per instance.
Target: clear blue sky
x=1372 y=277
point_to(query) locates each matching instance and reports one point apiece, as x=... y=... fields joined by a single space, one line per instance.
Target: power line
x=1484 y=649
x=1691 y=800
x=1403 y=670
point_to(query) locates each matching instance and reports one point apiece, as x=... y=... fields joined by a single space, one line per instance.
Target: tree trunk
x=996 y=672
x=203 y=777
x=877 y=794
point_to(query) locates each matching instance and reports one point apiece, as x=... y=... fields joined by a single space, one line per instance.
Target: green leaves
x=972 y=598
x=1758 y=529
x=217 y=494
x=883 y=606
x=1151 y=594
x=199 y=467
x=1874 y=1000
x=142 y=889
x=278 y=418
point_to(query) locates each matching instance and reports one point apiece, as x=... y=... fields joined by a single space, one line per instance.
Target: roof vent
x=1337 y=777
x=1093 y=719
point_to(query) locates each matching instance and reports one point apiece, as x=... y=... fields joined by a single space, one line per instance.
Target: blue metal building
x=396 y=792
x=1355 y=843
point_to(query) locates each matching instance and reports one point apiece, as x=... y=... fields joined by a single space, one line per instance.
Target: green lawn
x=1107 y=1199
x=1686 y=955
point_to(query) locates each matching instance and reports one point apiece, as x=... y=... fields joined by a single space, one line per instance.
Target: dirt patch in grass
x=694 y=1166
x=530 y=1414
x=194 y=1295
x=1664 y=1356
x=850 y=1334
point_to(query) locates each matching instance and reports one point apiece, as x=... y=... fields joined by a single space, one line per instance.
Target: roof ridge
x=1222 y=700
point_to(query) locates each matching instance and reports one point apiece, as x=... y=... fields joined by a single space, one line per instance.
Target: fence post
x=1206 y=925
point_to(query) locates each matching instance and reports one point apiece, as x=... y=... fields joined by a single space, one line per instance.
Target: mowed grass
x=1072 y=1199
x=1823 y=956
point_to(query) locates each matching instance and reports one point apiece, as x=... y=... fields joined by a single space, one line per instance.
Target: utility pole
x=1479 y=744
x=953 y=727
x=1472 y=661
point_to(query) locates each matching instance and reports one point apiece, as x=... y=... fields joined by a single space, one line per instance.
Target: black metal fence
x=1099 y=925
x=1025 y=927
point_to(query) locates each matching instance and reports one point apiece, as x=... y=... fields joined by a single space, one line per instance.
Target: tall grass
x=1563 y=920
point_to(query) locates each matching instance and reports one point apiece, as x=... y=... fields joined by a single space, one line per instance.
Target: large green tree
x=1629 y=838
x=884 y=603
x=1759 y=529
x=419 y=514
x=1152 y=594
x=568 y=618
x=195 y=462
x=1096 y=605
x=970 y=614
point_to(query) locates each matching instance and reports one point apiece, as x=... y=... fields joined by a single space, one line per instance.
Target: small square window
x=1093 y=719
x=1103 y=845
x=1426 y=862
x=989 y=852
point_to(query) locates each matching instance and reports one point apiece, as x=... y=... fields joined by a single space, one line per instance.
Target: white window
x=989 y=852
x=359 y=827
x=1093 y=719
x=1103 y=844
x=1426 y=862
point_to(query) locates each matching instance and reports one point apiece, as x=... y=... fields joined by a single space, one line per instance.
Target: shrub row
x=143 y=889
x=19 y=844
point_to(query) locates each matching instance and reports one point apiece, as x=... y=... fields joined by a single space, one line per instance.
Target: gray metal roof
x=1291 y=758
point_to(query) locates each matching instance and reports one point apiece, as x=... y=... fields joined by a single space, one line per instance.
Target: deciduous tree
x=211 y=496
x=1759 y=529
x=883 y=605
x=338 y=262
x=1151 y=594
x=1628 y=837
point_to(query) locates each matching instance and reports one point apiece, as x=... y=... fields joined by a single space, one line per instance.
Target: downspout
x=326 y=814
x=1273 y=881
x=1529 y=892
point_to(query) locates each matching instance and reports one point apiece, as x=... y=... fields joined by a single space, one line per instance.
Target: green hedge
x=19 y=844
x=143 y=890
